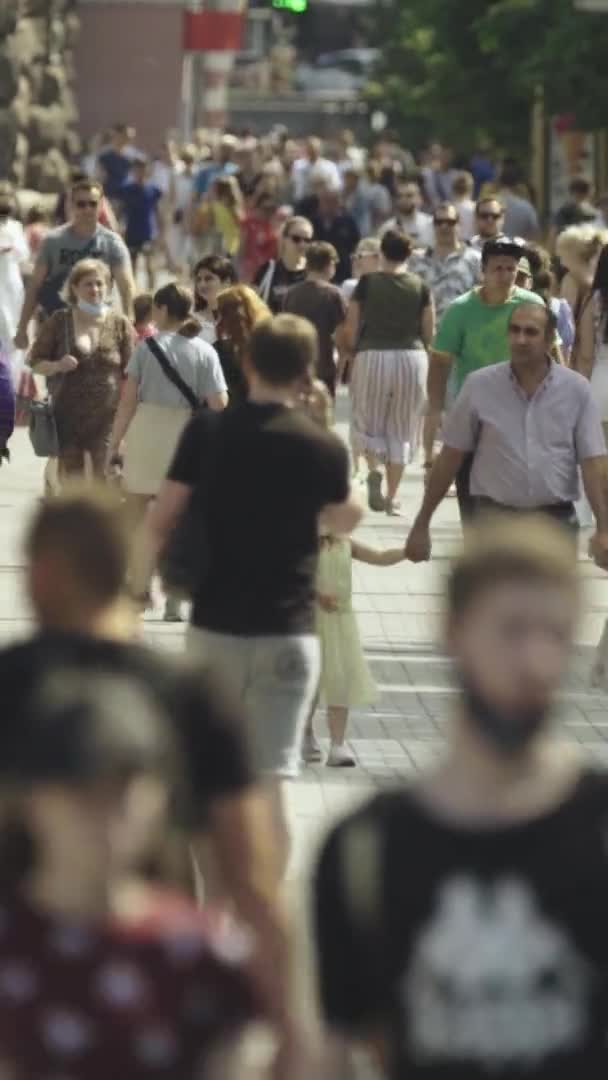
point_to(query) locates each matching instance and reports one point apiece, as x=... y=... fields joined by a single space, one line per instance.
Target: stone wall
x=38 y=113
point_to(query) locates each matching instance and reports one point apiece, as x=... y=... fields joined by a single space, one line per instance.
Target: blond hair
x=81 y=270
x=504 y=548
x=582 y=242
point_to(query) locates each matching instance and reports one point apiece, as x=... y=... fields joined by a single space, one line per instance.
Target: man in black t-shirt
x=322 y=303
x=264 y=476
x=460 y=922
x=77 y=556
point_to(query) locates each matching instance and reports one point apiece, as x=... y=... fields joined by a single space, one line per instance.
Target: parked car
x=340 y=74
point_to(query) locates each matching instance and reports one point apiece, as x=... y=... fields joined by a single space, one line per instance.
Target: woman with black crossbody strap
x=169 y=376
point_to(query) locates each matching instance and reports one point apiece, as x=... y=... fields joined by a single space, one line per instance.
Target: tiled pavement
x=400 y=616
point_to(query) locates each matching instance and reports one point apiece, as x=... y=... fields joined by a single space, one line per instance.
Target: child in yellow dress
x=346 y=680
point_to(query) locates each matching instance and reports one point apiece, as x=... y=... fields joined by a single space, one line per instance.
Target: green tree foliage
x=462 y=71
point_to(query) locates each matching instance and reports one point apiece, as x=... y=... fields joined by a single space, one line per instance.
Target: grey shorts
x=276 y=678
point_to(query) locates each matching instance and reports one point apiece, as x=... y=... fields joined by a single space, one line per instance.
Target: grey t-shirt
x=195 y=360
x=62 y=248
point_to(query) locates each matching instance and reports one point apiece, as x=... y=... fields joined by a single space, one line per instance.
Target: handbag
x=43 y=428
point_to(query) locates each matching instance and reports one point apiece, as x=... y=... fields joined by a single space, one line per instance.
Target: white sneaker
x=340 y=757
x=311 y=749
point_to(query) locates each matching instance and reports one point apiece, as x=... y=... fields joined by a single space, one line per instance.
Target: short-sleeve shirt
x=323 y=306
x=140 y=202
x=391 y=311
x=116 y=168
x=490 y=961
x=449 y=277
x=195 y=360
x=62 y=248
x=476 y=333
x=262 y=547
x=207 y=727
x=527 y=449
x=149 y=996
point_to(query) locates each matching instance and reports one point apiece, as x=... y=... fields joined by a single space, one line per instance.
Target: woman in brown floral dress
x=83 y=351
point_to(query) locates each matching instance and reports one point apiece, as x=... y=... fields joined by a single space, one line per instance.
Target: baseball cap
x=503 y=245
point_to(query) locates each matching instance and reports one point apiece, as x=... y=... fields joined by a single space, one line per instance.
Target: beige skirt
x=151 y=441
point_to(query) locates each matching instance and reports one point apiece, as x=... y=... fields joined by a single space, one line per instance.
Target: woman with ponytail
x=169 y=376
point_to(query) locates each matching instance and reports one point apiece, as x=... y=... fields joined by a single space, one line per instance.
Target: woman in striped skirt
x=391 y=322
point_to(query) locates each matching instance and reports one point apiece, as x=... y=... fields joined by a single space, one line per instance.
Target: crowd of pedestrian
x=144 y=835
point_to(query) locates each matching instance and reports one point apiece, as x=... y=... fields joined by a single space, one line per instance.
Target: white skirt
x=388 y=397
x=151 y=442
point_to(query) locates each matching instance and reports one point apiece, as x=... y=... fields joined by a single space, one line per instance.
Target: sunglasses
x=446 y=221
x=82 y=204
x=299 y=239
x=490 y=216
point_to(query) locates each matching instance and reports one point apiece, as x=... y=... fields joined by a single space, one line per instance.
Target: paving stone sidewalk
x=400 y=617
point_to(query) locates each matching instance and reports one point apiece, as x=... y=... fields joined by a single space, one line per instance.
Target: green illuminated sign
x=291 y=5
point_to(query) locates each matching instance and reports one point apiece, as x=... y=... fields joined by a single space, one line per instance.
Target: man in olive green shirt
x=471 y=335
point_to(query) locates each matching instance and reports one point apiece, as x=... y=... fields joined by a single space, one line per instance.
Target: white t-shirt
x=208 y=331
x=161 y=174
x=183 y=189
x=348 y=287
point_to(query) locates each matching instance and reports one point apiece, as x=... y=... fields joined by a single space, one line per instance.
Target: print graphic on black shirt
x=478 y=952
x=492 y=980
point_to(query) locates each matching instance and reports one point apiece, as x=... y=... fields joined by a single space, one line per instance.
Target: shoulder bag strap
x=171 y=374
x=266 y=283
x=55 y=382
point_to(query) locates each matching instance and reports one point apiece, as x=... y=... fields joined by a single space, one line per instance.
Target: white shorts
x=276 y=678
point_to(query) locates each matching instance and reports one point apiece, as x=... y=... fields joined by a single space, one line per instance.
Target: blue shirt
x=116 y=169
x=140 y=201
x=205 y=176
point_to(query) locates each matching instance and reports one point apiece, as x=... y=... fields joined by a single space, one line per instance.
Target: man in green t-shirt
x=471 y=335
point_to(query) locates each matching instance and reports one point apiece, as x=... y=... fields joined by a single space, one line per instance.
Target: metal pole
x=187 y=96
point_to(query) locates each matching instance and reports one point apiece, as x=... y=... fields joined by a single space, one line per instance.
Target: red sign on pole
x=212 y=30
